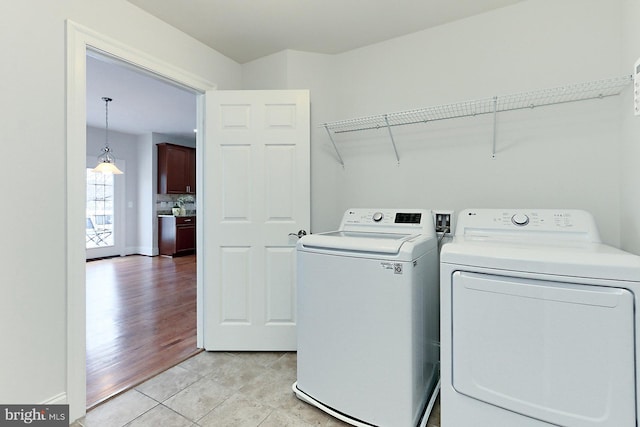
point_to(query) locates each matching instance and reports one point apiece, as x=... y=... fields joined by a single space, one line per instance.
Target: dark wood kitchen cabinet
x=176 y=169
x=176 y=234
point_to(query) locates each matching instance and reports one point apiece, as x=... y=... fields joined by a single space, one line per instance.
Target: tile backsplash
x=164 y=203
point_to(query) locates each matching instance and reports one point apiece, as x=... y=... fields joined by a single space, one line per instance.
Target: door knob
x=299 y=234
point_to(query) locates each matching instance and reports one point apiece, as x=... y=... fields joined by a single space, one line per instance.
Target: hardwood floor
x=141 y=320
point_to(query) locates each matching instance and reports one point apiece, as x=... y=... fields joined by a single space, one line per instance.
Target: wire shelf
x=493 y=105
x=559 y=95
x=410 y=117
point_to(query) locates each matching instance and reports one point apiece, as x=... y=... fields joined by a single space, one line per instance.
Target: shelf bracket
x=393 y=142
x=335 y=147
x=495 y=120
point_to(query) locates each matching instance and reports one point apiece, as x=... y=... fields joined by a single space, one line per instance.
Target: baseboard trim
x=148 y=251
x=59 y=399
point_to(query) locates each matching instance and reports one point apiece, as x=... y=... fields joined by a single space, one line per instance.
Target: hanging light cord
x=106 y=133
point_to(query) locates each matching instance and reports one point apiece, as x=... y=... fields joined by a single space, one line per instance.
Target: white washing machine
x=538 y=323
x=368 y=345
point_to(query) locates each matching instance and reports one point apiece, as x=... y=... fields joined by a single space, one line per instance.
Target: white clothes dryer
x=539 y=324
x=368 y=345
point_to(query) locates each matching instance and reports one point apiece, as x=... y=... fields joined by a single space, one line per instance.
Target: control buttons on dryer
x=520 y=219
x=377 y=217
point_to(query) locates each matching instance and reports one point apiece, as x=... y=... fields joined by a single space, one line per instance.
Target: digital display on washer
x=408 y=218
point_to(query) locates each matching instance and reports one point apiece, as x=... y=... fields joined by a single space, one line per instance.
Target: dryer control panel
x=568 y=224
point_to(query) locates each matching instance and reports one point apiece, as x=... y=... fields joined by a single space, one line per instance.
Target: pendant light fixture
x=106 y=159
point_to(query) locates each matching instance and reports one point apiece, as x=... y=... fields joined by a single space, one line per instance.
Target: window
x=100 y=212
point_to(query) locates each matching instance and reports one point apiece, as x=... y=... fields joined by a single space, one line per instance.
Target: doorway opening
x=140 y=308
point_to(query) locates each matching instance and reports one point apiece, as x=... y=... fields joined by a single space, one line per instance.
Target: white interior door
x=257 y=191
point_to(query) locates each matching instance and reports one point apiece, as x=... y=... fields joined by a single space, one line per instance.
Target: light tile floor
x=218 y=389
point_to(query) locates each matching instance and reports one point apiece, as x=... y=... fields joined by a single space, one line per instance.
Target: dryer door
x=558 y=352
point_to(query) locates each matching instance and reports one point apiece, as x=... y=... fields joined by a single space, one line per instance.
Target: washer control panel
x=544 y=222
x=377 y=217
x=388 y=220
x=520 y=219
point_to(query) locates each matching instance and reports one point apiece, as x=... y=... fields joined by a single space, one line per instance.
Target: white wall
x=565 y=156
x=265 y=73
x=315 y=72
x=147 y=169
x=32 y=42
x=630 y=154
x=292 y=69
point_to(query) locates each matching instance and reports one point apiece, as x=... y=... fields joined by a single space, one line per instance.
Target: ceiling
x=141 y=103
x=245 y=30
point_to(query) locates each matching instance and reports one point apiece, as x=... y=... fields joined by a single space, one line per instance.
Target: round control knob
x=377 y=217
x=520 y=219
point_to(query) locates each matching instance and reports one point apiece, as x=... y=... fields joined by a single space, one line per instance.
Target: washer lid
x=354 y=241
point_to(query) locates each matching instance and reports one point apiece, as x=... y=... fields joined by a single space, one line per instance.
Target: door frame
x=80 y=40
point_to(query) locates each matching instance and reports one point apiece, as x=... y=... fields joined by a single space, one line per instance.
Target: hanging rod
x=492 y=105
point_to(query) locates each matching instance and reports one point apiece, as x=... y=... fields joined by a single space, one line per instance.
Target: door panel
x=257 y=191
x=279 y=182
x=562 y=353
x=235 y=304
x=280 y=286
x=235 y=185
